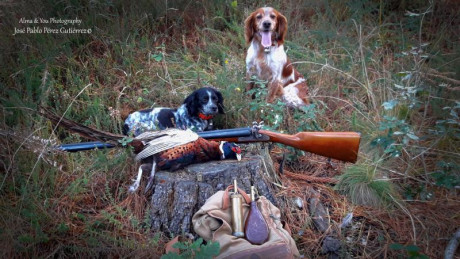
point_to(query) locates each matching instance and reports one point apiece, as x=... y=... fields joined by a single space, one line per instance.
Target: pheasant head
x=230 y=150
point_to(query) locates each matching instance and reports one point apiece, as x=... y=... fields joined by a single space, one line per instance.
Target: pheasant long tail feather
x=163 y=140
x=87 y=132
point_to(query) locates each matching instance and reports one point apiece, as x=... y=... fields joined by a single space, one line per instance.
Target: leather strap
x=226 y=197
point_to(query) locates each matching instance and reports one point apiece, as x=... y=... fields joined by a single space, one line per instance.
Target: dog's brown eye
x=259 y=17
x=272 y=16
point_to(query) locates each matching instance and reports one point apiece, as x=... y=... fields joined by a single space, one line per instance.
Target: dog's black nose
x=266 y=25
x=214 y=108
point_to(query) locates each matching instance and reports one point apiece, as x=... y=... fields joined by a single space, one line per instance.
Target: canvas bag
x=213 y=223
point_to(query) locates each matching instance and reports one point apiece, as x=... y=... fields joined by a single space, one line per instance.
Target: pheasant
x=173 y=149
x=169 y=149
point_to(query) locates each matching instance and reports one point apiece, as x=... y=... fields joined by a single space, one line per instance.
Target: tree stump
x=178 y=195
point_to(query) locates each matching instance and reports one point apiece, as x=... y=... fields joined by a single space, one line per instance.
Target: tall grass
x=371 y=67
x=365 y=187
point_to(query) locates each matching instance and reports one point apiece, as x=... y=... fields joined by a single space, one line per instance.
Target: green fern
x=196 y=250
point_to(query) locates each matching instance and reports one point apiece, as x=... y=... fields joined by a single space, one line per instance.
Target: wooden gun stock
x=338 y=145
x=343 y=146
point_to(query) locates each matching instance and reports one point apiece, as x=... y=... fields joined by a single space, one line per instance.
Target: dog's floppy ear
x=249 y=27
x=191 y=103
x=220 y=102
x=281 y=27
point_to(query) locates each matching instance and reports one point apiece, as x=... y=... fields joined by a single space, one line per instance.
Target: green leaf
x=180 y=245
x=170 y=255
x=412 y=136
x=195 y=245
x=26 y=238
x=125 y=141
x=208 y=251
x=158 y=57
x=405 y=141
x=408 y=13
x=454 y=114
x=62 y=228
x=401 y=74
x=412 y=248
x=234 y=4
x=396 y=246
x=390 y=104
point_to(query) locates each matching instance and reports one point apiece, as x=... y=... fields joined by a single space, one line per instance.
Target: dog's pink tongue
x=266 y=38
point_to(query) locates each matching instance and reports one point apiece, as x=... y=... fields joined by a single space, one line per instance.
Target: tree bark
x=178 y=195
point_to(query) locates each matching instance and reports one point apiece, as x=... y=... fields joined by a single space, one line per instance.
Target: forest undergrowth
x=387 y=69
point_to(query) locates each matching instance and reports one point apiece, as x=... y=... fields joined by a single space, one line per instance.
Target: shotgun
x=343 y=146
x=338 y=145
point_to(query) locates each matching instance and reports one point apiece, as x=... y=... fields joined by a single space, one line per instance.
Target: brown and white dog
x=265 y=30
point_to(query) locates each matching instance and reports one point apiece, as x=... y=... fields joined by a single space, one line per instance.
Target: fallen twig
x=310 y=178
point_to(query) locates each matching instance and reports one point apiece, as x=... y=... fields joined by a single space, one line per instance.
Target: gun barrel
x=226 y=134
x=75 y=147
x=338 y=145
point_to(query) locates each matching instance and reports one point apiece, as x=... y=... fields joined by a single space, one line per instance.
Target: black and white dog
x=195 y=113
